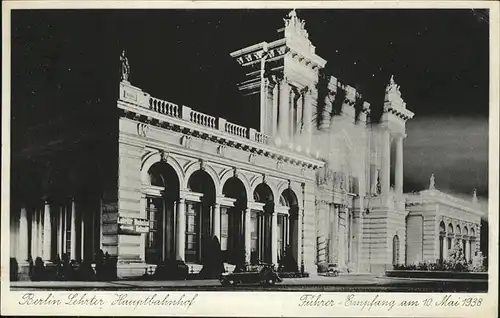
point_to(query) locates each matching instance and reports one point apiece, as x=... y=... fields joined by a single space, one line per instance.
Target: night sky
x=67 y=62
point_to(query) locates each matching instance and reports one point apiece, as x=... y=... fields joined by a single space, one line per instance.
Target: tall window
x=281 y=235
x=224 y=229
x=254 y=232
x=441 y=239
x=154 y=237
x=191 y=232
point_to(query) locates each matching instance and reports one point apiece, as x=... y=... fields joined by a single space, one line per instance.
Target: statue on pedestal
x=474 y=196
x=432 y=183
x=125 y=68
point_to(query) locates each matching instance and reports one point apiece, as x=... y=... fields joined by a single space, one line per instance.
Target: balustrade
x=186 y=113
x=164 y=107
x=234 y=129
x=202 y=119
x=261 y=138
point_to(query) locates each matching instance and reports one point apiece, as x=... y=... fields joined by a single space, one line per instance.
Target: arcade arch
x=288 y=224
x=232 y=223
x=161 y=197
x=200 y=203
x=260 y=224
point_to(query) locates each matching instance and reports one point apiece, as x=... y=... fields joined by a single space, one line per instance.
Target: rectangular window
x=224 y=229
x=154 y=212
x=254 y=231
x=192 y=212
x=280 y=235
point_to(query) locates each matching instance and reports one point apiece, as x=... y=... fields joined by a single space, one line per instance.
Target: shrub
x=478 y=263
x=14 y=269
x=38 y=272
x=456 y=259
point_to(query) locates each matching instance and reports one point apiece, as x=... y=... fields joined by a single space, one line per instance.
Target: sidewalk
x=354 y=281
x=317 y=280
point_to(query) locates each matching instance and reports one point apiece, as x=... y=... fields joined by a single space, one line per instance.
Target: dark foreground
x=343 y=283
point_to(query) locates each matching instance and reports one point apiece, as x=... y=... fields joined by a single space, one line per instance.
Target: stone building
x=316 y=175
x=436 y=221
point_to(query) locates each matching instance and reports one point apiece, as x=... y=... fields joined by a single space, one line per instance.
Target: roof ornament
x=392 y=92
x=432 y=182
x=295 y=25
x=474 y=196
x=125 y=68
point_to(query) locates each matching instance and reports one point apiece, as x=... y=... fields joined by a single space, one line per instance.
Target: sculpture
x=392 y=91
x=474 y=196
x=125 y=67
x=432 y=182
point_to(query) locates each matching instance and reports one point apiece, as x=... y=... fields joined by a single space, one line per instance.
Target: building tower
x=387 y=203
x=283 y=75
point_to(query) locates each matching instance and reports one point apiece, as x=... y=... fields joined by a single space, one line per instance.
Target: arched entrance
x=199 y=215
x=260 y=224
x=449 y=238
x=288 y=225
x=162 y=193
x=465 y=234
x=232 y=221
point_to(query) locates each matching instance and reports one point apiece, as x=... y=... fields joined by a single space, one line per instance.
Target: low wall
x=436 y=274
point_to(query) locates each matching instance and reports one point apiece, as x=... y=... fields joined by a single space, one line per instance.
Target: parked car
x=333 y=270
x=264 y=274
x=171 y=269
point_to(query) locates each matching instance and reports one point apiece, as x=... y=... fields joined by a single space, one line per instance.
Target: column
x=286 y=224
x=47 y=233
x=300 y=216
x=275 y=109
x=216 y=229
x=263 y=103
x=73 y=231
x=34 y=234
x=181 y=229
x=65 y=231
x=296 y=99
x=467 y=250
x=386 y=162
x=284 y=105
x=82 y=232
x=308 y=119
x=39 y=243
x=248 y=236
x=100 y=228
x=399 y=164
x=445 y=247
x=274 y=237
x=23 y=236
x=60 y=236
x=143 y=214
x=342 y=243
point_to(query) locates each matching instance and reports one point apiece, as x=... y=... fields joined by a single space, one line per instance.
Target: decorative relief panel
x=142 y=129
x=186 y=141
x=252 y=158
x=221 y=150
